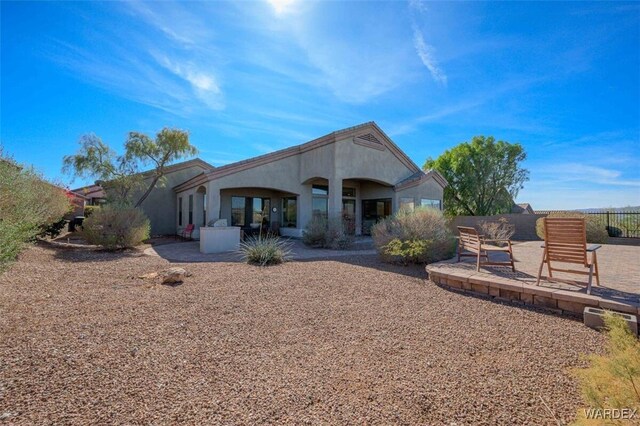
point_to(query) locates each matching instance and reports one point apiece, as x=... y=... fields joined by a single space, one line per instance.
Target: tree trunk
x=148 y=191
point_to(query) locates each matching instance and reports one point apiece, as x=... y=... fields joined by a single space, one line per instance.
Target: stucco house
x=357 y=173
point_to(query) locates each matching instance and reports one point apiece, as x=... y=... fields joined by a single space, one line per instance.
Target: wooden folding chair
x=478 y=247
x=565 y=241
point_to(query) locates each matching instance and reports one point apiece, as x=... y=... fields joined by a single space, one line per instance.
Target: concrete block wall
x=525 y=224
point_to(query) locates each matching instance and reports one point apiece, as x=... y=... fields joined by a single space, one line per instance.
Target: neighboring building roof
x=368 y=139
x=522 y=208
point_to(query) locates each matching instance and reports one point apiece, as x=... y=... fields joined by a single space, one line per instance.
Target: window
x=407 y=204
x=320 y=190
x=349 y=192
x=179 y=211
x=204 y=209
x=320 y=202
x=250 y=211
x=426 y=202
x=238 y=207
x=289 y=212
x=320 y=207
x=190 y=209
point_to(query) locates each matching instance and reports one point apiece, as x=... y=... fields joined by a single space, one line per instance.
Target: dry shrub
x=500 y=230
x=421 y=236
x=596 y=232
x=28 y=204
x=323 y=233
x=612 y=381
x=116 y=227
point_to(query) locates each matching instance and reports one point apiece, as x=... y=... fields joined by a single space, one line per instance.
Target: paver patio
x=619 y=285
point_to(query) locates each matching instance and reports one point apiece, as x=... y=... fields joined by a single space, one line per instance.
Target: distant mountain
x=611 y=209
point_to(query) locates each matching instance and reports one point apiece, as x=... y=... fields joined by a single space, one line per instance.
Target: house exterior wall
x=373 y=168
x=426 y=189
x=161 y=206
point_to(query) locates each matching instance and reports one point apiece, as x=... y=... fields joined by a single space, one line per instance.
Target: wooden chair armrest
x=498 y=240
x=593 y=247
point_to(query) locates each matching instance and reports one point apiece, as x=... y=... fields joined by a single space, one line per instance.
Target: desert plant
x=612 y=381
x=596 y=232
x=89 y=210
x=323 y=233
x=28 y=203
x=421 y=236
x=116 y=227
x=500 y=230
x=265 y=250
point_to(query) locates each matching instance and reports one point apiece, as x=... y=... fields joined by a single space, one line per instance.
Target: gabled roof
x=375 y=137
x=419 y=177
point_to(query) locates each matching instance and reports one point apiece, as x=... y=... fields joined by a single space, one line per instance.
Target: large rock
x=174 y=275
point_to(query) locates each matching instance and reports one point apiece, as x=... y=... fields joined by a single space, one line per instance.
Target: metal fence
x=621 y=224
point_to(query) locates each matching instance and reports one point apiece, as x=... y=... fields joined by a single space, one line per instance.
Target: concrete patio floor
x=619 y=279
x=189 y=252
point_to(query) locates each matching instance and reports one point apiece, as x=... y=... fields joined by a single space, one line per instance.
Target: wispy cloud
x=578 y=172
x=426 y=54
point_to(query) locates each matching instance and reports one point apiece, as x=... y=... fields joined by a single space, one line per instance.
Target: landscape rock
x=174 y=275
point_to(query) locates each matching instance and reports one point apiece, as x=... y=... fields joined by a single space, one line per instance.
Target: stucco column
x=335 y=198
x=304 y=206
x=213 y=201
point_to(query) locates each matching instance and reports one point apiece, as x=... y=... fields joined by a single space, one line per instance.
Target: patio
x=619 y=288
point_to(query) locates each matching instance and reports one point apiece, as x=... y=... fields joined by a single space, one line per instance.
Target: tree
x=484 y=176
x=119 y=174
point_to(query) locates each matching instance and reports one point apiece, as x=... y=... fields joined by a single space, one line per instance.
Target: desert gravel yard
x=341 y=341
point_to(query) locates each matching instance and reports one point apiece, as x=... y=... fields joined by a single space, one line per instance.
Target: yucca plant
x=265 y=250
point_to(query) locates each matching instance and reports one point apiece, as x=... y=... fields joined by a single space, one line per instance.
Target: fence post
x=608 y=225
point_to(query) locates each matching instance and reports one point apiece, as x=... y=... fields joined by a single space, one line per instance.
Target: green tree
x=119 y=174
x=484 y=176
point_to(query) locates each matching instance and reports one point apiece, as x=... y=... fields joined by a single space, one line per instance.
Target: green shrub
x=89 y=210
x=265 y=250
x=28 y=204
x=323 y=233
x=116 y=227
x=612 y=381
x=596 y=232
x=421 y=236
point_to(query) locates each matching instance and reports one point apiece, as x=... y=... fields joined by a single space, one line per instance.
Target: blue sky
x=246 y=78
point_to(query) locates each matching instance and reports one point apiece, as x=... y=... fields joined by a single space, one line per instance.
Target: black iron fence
x=621 y=224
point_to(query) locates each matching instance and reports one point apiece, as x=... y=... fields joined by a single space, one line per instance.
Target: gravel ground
x=84 y=340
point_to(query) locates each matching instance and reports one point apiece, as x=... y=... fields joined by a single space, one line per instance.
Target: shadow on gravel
x=372 y=261
x=89 y=255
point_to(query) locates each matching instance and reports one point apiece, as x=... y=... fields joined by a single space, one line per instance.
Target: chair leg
x=513 y=267
x=544 y=256
x=458 y=250
x=590 y=278
x=594 y=260
x=478 y=262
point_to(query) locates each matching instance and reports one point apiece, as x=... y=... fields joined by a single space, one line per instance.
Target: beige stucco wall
x=427 y=189
x=160 y=206
x=373 y=172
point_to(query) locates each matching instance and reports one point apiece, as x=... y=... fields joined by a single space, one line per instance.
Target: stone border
x=504 y=289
